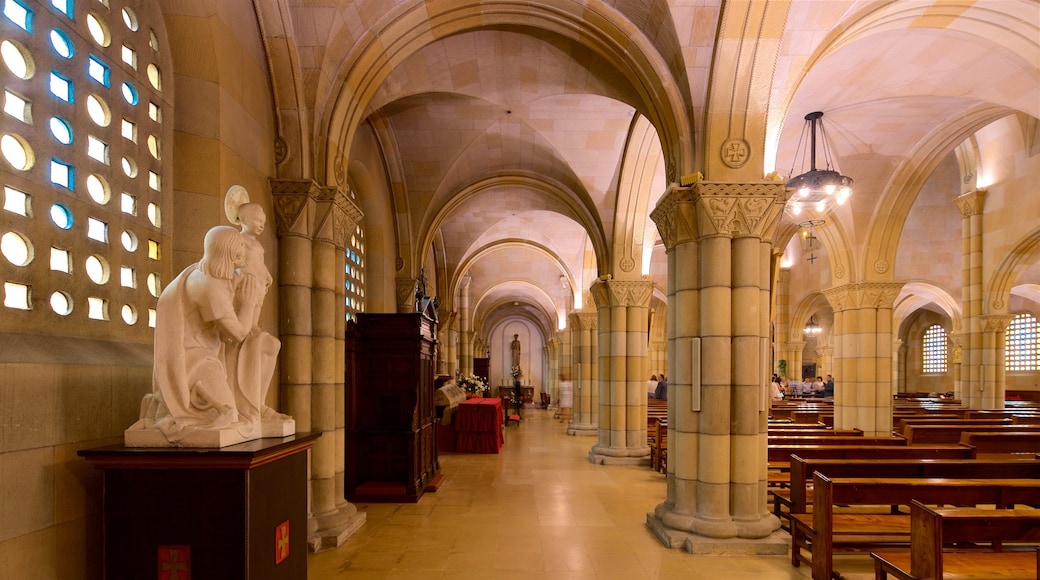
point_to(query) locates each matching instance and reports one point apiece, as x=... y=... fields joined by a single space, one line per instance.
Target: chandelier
x=816 y=189
x=812 y=330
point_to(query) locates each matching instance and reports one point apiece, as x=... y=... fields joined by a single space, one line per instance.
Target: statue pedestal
x=233 y=512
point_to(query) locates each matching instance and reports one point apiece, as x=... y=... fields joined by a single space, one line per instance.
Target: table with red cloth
x=478 y=426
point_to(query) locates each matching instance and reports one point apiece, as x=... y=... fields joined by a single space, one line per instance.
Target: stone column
x=311 y=223
x=449 y=346
x=863 y=355
x=824 y=360
x=717 y=237
x=658 y=358
x=551 y=384
x=623 y=317
x=902 y=380
x=585 y=420
x=782 y=324
x=466 y=329
x=793 y=354
x=971 y=206
x=994 y=345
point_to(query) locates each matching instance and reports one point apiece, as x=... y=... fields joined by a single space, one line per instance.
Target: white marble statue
x=213 y=364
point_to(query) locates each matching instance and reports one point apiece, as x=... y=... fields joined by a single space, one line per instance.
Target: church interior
x=608 y=182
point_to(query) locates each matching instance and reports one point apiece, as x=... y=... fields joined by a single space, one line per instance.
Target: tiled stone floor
x=539 y=510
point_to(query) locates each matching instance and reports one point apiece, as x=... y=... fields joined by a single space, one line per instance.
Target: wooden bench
x=835 y=440
x=931 y=530
x=798 y=498
x=659 y=449
x=951 y=434
x=1002 y=443
x=818 y=532
x=901 y=423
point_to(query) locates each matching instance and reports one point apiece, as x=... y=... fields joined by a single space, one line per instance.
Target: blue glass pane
x=61 y=216
x=61 y=87
x=62 y=44
x=61 y=174
x=130 y=93
x=98 y=70
x=19 y=13
x=61 y=130
x=63 y=6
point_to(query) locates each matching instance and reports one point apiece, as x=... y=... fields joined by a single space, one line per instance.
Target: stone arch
x=1021 y=256
x=596 y=25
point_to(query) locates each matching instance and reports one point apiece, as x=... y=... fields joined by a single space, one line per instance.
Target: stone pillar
x=658 y=358
x=311 y=223
x=994 y=344
x=902 y=380
x=449 y=345
x=863 y=355
x=717 y=238
x=551 y=384
x=824 y=361
x=971 y=206
x=623 y=308
x=793 y=354
x=585 y=420
x=466 y=329
x=782 y=324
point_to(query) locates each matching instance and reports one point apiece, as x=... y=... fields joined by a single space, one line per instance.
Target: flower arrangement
x=516 y=373
x=473 y=384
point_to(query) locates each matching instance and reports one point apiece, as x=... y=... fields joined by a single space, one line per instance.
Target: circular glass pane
x=154 y=78
x=61 y=130
x=61 y=303
x=98 y=30
x=130 y=19
x=16 y=151
x=154 y=215
x=154 y=287
x=129 y=93
x=16 y=249
x=61 y=216
x=129 y=314
x=98 y=189
x=97 y=269
x=129 y=167
x=98 y=111
x=153 y=146
x=129 y=241
x=62 y=44
x=17 y=59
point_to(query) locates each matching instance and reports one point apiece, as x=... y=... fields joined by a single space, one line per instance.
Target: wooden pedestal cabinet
x=391 y=431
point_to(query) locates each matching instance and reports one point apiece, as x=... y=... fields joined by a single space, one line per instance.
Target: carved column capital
x=622 y=292
x=971 y=203
x=739 y=210
x=996 y=322
x=584 y=320
x=676 y=217
x=404 y=293
x=863 y=295
x=291 y=199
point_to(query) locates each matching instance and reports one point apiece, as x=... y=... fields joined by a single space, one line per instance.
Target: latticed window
x=355 y=273
x=934 y=349
x=81 y=166
x=1022 y=352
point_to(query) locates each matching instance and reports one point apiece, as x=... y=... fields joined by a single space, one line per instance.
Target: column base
x=600 y=455
x=775 y=544
x=583 y=430
x=332 y=529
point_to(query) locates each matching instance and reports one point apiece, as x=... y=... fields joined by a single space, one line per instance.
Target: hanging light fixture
x=812 y=330
x=817 y=189
x=810 y=243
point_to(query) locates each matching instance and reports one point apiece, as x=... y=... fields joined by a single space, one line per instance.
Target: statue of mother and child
x=213 y=364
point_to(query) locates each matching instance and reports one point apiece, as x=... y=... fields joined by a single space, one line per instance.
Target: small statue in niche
x=213 y=363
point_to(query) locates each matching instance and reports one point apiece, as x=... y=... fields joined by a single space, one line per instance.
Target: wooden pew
x=816 y=532
x=814 y=432
x=900 y=423
x=1002 y=443
x=799 y=497
x=933 y=529
x=836 y=440
x=951 y=434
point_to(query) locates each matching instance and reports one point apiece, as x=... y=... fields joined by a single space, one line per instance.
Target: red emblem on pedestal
x=174 y=562
x=281 y=542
